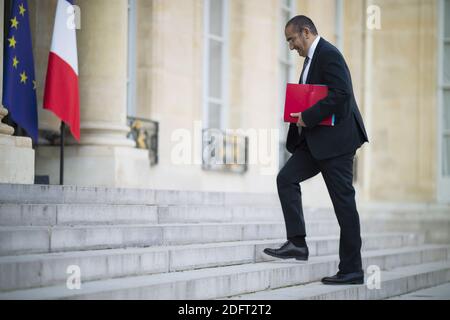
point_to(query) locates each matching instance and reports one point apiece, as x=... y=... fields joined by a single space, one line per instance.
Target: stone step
x=27 y=271
x=439 y=292
x=40 y=194
x=94 y=214
x=220 y=282
x=25 y=240
x=38 y=239
x=12 y=214
x=395 y=282
x=402 y=210
x=435 y=230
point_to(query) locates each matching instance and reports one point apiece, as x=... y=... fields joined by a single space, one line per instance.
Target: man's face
x=297 y=41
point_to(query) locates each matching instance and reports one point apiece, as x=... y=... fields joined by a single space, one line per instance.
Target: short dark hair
x=300 y=22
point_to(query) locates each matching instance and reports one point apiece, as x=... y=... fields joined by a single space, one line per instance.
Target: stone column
x=103 y=41
x=104 y=156
x=16 y=153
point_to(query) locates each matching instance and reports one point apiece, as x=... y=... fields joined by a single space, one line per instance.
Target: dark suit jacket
x=328 y=67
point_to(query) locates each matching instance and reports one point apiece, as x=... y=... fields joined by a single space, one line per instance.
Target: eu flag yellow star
x=14 y=23
x=15 y=62
x=23 y=77
x=22 y=10
x=12 y=42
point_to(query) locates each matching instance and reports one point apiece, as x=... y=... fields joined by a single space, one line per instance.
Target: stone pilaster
x=103 y=42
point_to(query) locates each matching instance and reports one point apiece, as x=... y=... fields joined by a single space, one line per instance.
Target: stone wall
x=404 y=106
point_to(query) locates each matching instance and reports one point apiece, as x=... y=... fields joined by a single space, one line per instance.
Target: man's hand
x=300 y=122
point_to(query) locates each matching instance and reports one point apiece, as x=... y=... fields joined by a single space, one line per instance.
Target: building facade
x=191 y=65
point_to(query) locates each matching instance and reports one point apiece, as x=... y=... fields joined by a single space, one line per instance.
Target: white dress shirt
x=311 y=51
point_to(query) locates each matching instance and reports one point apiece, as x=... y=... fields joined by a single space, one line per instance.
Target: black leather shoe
x=345 y=278
x=289 y=251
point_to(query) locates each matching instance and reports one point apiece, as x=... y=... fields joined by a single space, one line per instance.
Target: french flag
x=61 y=94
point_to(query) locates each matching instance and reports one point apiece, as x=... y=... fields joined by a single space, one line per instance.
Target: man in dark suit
x=328 y=150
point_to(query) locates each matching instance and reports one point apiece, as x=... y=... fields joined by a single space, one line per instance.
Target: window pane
x=287 y=3
x=214 y=116
x=215 y=69
x=446 y=157
x=447 y=63
x=284 y=79
x=283 y=48
x=216 y=17
x=286 y=17
x=446 y=109
x=282 y=87
x=447 y=19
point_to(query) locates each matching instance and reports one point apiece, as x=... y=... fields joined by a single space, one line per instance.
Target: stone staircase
x=156 y=244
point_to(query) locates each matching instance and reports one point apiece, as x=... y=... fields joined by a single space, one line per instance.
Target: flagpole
x=61 y=159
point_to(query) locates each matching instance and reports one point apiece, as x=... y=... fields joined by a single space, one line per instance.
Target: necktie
x=301 y=82
x=303 y=71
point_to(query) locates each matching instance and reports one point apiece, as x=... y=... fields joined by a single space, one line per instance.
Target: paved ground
x=441 y=292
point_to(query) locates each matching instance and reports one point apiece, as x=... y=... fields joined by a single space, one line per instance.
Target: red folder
x=300 y=97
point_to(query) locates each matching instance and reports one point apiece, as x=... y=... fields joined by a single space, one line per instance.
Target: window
x=339 y=25
x=286 y=74
x=215 y=64
x=131 y=69
x=444 y=101
x=445 y=85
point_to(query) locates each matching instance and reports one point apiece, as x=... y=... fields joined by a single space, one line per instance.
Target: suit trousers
x=338 y=176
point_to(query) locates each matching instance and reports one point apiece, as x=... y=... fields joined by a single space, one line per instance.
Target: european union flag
x=19 y=85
